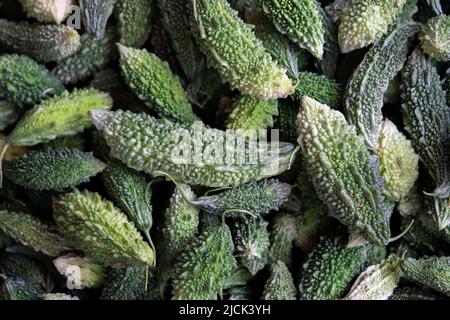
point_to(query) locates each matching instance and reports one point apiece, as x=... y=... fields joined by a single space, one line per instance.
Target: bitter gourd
x=100 y=230
x=365 y=90
x=426 y=116
x=363 y=21
x=88 y=274
x=52 y=169
x=47 y=10
x=130 y=191
x=9 y=114
x=70 y=142
x=126 y=284
x=66 y=114
x=45 y=43
x=432 y=272
x=434 y=38
x=300 y=20
x=331 y=50
x=280 y=284
x=32 y=232
x=399 y=164
x=319 y=88
x=133 y=21
x=251 y=240
x=256 y=197
x=344 y=174
x=93 y=56
x=153 y=82
x=205 y=265
x=154 y=149
x=249 y=113
x=282 y=236
x=176 y=23
x=25 y=82
x=377 y=282
x=241 y=60
x=95 y=15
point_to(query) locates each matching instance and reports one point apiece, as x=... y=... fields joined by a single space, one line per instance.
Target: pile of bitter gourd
x=354 y=205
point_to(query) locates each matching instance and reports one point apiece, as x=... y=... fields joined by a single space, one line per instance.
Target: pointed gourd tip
x=98 y=118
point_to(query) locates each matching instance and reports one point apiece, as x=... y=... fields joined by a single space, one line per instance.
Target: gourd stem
x=241 y=211
x=149 y=239
x=178 y=186
x=403 y=232
x=5 y=147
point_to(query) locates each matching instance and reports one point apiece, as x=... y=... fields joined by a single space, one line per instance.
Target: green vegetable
x=251 y=239
x=434 y=38
x=426 y=116
x=80 y=272
x=42 y=42
x=300 y=20
x=280 y=284
x=363 y=22
x=329 y=269
x=344 y=174
x=9 y=114
x=21 y=278
x=240 y=60
x=69 y=142
x=331 y=51
x=319 y=88
x=134 y=21
x=251 y=113
x=151 y=79
x=204 y=266
x=154 y=149
x=366 y=89
x=52 y=169
x=282 y=237
x=378 y=281
x=32 y=232
x=47 y=10
x=131 y=192
x=63 y=115
x=95 y=15
x=93 y=56
x=176 y=23
x=100 y=230
x=125 y=284
x=399 y=164
x=258 y=198
x=432 y=272
x=25 y=82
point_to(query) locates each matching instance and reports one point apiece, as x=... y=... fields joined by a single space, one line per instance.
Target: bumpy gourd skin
x=378 y=281
x=282 y=236
x=95 y=15
x=204 y=266
x=9 y=114
x=434 y=38
x=432 y=272
x=100 y=230
x=365 y=90
x=92 y=57
x=363 y=21
x=25 y=82
x=251 y=113
x=153 y=82
x=32 y=232
x=257 y=197
x=44 y=43
x=155 y=146
x=241 y=60
x=133 y=21
x=176 y=23
x=319 y=88
x=426 y=116
x=251 y=240
x=331 y=50
x=280 y=284
x=329 y=270
x=91 y=275
x=47 y=10
x=300 y=20
x=52 y=169
x=399 y=164
x=66 y=114
x=344 y=174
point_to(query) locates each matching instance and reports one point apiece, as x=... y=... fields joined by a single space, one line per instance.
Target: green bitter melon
x=280 y=284
x=434 y=38
x=95 y=15
x=47 y=10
